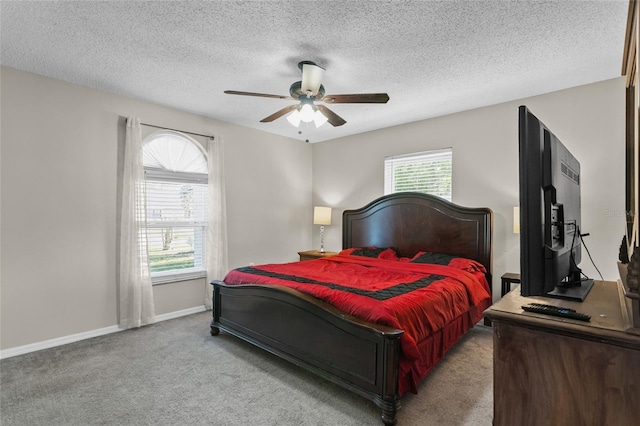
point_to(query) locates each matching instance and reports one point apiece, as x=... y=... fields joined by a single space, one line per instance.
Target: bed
x=372 y=355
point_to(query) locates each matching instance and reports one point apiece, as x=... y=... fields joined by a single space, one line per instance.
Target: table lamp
x=322 y=217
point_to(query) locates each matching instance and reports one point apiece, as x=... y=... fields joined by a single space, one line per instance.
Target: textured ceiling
x=431 y=57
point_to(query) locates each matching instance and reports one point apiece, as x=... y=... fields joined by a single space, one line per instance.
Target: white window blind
x=428 y=172
x=176 y=224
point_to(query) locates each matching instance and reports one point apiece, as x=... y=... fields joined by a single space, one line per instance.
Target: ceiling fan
x=309 y=91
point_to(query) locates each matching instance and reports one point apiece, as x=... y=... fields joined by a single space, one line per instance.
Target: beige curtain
x=217 y=235
x=135 y=292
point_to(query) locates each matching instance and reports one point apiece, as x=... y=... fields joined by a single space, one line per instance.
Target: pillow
x=387 y=253
x=449 y=260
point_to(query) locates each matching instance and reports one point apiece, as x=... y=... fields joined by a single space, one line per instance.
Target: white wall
x=589 y=120
x=59 y=196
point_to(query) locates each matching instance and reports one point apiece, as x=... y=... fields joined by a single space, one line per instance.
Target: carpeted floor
x=175 y=373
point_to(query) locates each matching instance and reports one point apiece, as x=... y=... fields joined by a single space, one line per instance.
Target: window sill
x=178 y=276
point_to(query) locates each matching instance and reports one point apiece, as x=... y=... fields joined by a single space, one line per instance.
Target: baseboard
x=59 y=341
x=182 y=313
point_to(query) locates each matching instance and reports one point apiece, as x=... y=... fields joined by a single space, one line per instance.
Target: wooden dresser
x=556 y=371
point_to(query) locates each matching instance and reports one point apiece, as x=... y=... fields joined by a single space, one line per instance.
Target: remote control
x=557 y=311
x=542 y=305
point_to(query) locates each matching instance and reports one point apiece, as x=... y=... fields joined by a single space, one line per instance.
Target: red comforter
x=421 y=299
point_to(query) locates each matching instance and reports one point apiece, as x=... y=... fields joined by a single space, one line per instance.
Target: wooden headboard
x=411 y=222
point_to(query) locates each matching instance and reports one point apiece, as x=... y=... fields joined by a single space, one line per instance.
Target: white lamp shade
x=307 y=114
x=516 y=220
x=294 y=118
x=319 y=118
x=322 y=215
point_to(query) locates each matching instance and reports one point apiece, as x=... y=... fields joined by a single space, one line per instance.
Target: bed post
x=389 y=416
x=390 y=402
x=215 y=309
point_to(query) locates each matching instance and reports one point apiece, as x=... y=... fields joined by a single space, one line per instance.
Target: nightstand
x=315 y=254
x=508 y=279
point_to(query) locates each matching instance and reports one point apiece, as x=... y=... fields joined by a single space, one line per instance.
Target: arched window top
x=173 y=151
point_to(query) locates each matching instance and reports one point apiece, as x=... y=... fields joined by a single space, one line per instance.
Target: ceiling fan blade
x=262 y=95
x=311 y=78
x=357 y=98
x=334 y=119
x=279 y=113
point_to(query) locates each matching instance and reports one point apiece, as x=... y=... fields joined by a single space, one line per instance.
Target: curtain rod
x=175 y=130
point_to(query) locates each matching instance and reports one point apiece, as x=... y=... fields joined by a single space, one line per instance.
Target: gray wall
x=589 y=120
x=59 y=196
x=59 y=190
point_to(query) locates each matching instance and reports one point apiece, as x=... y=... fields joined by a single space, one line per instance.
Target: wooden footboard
x=358 y=355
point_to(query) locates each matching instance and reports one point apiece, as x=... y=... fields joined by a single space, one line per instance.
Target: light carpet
x=175 y=373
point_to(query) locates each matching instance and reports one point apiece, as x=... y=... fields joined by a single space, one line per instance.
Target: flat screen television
x=550 y=241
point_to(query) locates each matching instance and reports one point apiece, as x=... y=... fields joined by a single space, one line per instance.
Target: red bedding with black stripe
x=422 y=299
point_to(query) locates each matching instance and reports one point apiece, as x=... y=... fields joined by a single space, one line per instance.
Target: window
x=428 y=172
x=176 y=202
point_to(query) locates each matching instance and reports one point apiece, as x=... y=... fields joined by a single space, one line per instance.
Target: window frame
x=155 y=174
x=390 y=164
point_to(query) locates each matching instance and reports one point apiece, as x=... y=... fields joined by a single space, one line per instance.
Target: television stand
x=556 y=371
x=572 y=292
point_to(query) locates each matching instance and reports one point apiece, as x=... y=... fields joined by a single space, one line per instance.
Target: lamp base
x=321 y=238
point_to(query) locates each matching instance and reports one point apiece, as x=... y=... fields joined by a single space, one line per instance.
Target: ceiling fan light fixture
x=307 y=113
x=319 y=118
x=294 y=118
x=308 y=91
